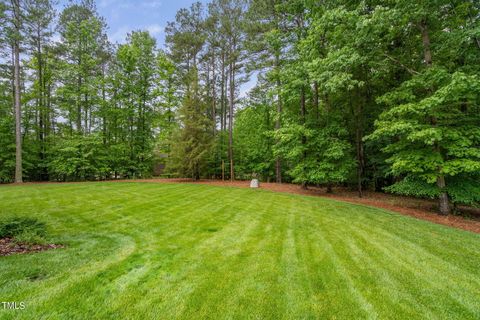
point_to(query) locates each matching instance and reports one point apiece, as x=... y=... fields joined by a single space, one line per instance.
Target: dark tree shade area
x=379 y=95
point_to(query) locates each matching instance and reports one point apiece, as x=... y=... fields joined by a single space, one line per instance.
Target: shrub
x=462 y=189
x=30 y=237
x=28 y=230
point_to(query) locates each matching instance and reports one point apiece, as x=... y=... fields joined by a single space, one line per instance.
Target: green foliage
x=30 y=237
x=191 y=141
x=253 y=143
x=332 y=160
x=325 y=158
x=375 y=93
x=465 y=189
x=79 y=158
x=435 y=133
x=462 y=189
x=410 y=186
x=134 y=115
x=24 y=229
x=7 y=145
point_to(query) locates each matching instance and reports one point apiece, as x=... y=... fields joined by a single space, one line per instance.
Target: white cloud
x=56 y=37
x=151 y=4
x=249 y=85
x=105 y=3
x=154 y=29
x=127 y=4
x=120 y=35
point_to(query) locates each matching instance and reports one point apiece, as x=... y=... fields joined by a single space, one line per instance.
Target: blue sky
x=123 y=16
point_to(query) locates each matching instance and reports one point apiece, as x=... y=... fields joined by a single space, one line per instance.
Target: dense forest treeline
x=90 y=109
x=380 y=95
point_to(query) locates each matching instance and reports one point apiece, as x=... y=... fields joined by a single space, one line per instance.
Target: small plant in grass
x=24 y=230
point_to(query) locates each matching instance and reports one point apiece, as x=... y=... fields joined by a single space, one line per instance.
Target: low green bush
x=26 y=230
x=30 y=237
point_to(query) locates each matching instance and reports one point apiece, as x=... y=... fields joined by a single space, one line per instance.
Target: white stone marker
x=254 y=183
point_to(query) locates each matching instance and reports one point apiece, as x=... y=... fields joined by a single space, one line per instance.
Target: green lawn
x=167 y=251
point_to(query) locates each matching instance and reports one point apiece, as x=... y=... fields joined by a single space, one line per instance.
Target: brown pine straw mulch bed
x=8 y=246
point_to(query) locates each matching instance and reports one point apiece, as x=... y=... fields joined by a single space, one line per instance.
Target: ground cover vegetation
x=377 y=94
x=23 y=235
x=183 y=251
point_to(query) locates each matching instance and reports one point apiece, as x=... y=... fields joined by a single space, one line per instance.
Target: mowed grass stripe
x=405 y=261
x=99 y=284
x=141 y=250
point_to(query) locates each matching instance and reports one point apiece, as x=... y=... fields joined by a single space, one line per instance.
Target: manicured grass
x=166 y=251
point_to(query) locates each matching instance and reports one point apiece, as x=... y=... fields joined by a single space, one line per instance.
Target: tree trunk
x=427 y=53
x=87 y=115
x=214 y=96
x=278 y=122
x=316 y=101
x=230 y=120
x=329 y=188
x=444 y=203
x=50 y=129
x=223 y=111
x=196 y=172
x=41 y=111
x=79 y=105
x=18 y=109
x=303 y=114
x=104 y=103
x=225 y=103
x=360 y=160
x=223 y=170
x=359 y=149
